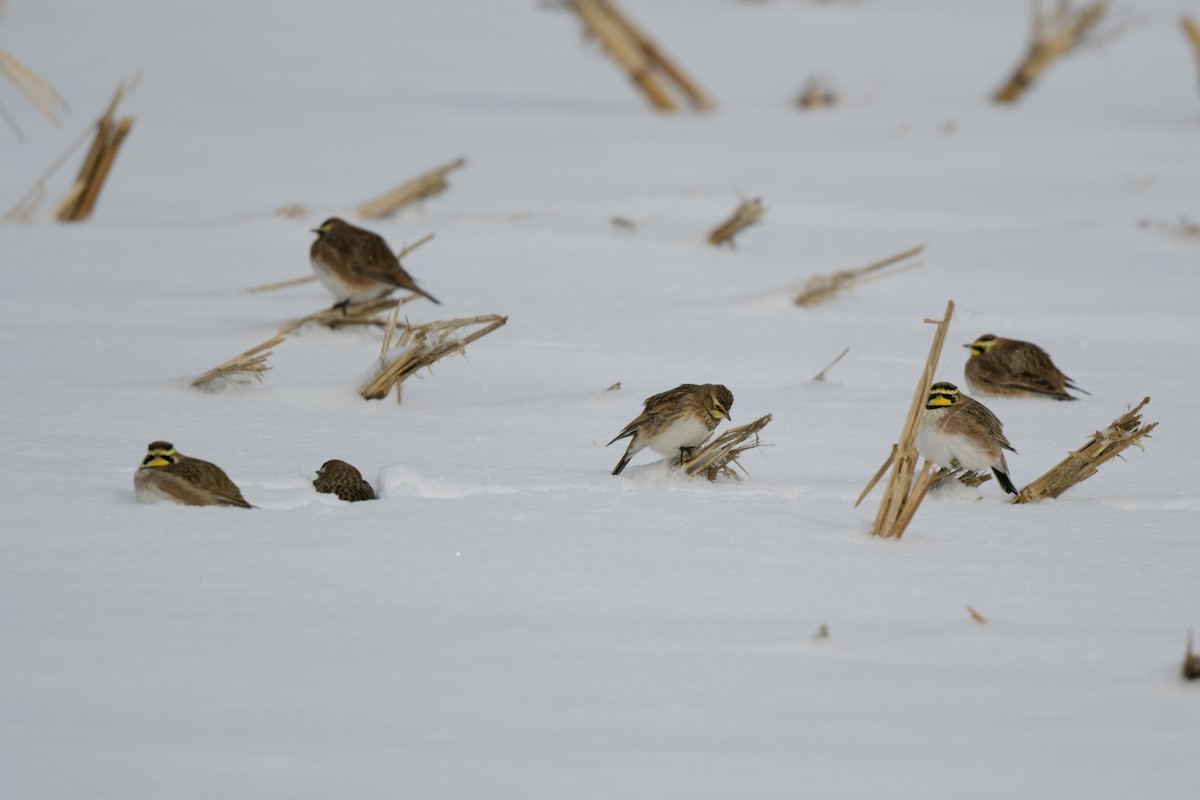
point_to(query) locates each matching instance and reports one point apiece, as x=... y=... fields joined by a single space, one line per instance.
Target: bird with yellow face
x=959 y=432
x=1002 y=367
x=166 y=475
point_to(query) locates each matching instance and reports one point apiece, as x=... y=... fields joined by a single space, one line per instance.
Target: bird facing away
x=1010 y=368
x=959 y=432
x=357 y=265
x=169 y=476
x=674 y=422
x=338 y=477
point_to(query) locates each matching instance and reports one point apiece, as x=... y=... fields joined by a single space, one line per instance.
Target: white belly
x=146 y=492
x=944 y=449
x=686 y=433
x=344 y=291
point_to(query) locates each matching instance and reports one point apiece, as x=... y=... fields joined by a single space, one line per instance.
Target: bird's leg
x=342 y=306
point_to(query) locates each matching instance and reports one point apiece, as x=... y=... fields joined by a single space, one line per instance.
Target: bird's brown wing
x=991 y=423
x=376 y=261
x=208 y=480
x=1021 y=375
x=354 y=491
x=372 y=258
x=631 y=428
x=669 y=398
x=655 y=405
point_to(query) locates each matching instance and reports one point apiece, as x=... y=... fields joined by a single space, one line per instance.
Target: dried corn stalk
x=720 y=455
x=820 y=376
x=1054 y=35
x=1081 y=464
x=746 y=214
x=250 y=363
x=647 y=66
x=270 y=287
x=37 y=91
x=291 y=211
x=1192 y=32
x=968 y=478
x=1191 y=662
x=368 y=313
x=425 y=185
x=816 y=93
x=110 y=134
x=902 y=497
x=422 y=346
x=823 y=288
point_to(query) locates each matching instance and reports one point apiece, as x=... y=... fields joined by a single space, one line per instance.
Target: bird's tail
x=630 y=452
x=1005 y=482
x=426 y=295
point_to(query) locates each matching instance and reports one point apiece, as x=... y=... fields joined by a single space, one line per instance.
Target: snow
x=510 y=620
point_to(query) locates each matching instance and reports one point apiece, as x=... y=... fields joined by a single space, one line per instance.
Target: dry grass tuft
x=720 y=455
x=1191 y=662
x=1081 y=464
x=616 y=387
x=37 y=91
x=426 y=185
x=975 y=615
x=1055 y=33
x=250 y=364
x=747 y=213
x=421 y=346
x=823 y=288
x=822 y=633
x=649 y=68
x=902 y=496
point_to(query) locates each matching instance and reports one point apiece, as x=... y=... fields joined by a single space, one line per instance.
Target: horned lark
x=168 y=476
x=958 y=432
x=338 y=477
x=1009 y=368
x=676 y=421
x=357 y=265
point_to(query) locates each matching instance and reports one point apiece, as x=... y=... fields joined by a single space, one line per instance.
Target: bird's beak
x=966 y=345
x=728 y=417
x=314 y=230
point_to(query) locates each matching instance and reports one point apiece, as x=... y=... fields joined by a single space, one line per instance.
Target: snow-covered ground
x=509 y=620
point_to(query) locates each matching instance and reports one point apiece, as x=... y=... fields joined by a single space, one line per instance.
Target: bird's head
x=718 y=401
x=159 y=454
x=983 y=344
x=942 y=394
